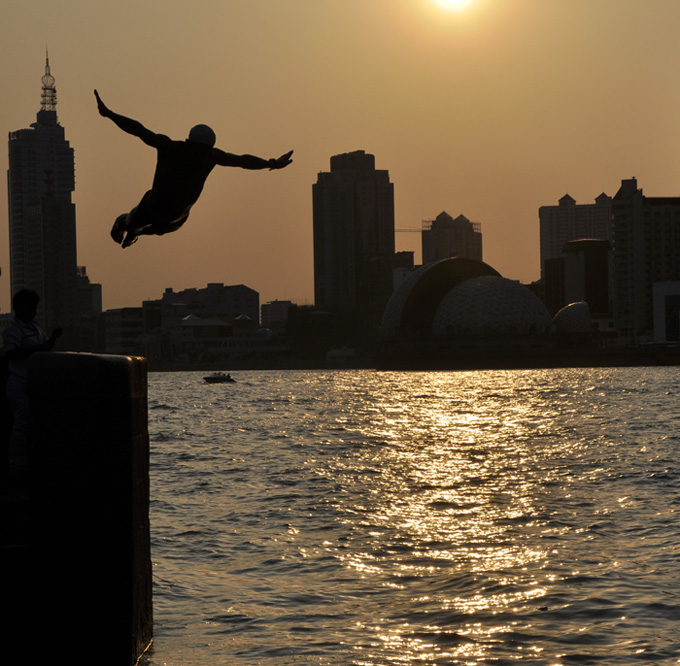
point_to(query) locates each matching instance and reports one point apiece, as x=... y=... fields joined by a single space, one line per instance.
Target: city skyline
x=493 y=111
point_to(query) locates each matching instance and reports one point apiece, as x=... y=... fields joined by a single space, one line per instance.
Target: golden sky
x=490 y=111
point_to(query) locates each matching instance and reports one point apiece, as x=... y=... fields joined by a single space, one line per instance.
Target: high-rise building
x=42 y=220
x=646 y=232
x=445 y=237
x=561 y=225
x=353 y=207
x=570 y=221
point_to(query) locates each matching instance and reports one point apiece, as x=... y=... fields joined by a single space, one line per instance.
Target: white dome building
x=463 y=298
x=491 y=306
x=413 y=305
x=457 y=313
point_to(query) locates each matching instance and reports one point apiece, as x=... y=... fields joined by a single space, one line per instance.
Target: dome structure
x=413 y=305
x=264 y=334
x=462 y=313
x=491 y=306
x=574 y=318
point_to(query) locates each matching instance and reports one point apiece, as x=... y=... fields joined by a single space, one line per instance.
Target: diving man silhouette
x=182 y=168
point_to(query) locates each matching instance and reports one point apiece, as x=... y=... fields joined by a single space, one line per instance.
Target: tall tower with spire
x=42 y=217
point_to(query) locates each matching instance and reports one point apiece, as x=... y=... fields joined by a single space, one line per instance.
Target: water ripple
x=416 y=518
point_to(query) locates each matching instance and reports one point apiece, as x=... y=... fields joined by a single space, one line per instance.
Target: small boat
x=219 y=378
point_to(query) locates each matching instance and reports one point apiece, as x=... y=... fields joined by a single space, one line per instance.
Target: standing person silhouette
x=182 y=168
x=21 y=338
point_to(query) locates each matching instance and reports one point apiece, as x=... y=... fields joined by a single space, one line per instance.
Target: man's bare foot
x=130 y=238
x=118 y=228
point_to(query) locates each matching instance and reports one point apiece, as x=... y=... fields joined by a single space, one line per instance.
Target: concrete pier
x=78 y=571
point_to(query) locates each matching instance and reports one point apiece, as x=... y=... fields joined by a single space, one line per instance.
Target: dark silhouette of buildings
x=191 y=328
x=215 y=300
x=446 y=237
x=570 y=221
x=614 y=255
x=560 y=225
x=461 y=313
x=274 y=315
x=42 y=225
x=353 y=209
x=587 y=275
x=646 y=253
x=667 y=312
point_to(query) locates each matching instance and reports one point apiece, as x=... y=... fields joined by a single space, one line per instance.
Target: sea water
x=399 y=518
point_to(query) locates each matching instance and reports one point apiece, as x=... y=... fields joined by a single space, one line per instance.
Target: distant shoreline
x=653 y=356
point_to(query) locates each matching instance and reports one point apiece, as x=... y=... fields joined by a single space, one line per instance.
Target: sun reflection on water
x=448 y=494
x=386 y=518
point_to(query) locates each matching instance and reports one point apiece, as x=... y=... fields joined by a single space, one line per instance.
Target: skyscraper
x=353 y=207
x=42 y=217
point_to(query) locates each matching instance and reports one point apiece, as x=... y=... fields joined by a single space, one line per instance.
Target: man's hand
x=103 y=109
x=280 y=162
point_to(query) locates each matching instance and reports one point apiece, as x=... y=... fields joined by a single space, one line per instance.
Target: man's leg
x=18 y=452
x=155 y=229
x=131 y=224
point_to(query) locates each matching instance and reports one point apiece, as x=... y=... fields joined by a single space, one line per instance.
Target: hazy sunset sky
x=490 y=111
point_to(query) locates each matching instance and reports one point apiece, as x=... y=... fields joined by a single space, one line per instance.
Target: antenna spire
x=49 y=92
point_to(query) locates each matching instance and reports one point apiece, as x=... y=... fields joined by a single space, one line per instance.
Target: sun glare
x=454 y=5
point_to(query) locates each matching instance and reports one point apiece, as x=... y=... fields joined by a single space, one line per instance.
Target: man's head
x=25 y=304
x=202 y=134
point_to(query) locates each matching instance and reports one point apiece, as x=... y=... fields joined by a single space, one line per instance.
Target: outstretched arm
x=129 y=125
x=250 y=161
